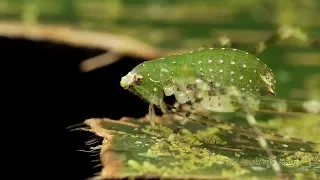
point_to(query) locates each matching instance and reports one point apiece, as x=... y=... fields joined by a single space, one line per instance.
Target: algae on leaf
x=132 y=148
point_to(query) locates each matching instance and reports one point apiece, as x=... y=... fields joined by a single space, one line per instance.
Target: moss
x=303 y=176
x=292 y=126
x=209 y=136
x=187 y=157
x=235 y=171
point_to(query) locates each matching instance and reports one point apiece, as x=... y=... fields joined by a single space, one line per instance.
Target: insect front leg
x=152 y=115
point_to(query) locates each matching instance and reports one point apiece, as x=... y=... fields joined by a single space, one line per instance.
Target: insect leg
x=182 y=122
x=152 y=115
x=261 y=139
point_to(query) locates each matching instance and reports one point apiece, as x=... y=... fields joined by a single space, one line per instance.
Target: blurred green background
x=188 y=24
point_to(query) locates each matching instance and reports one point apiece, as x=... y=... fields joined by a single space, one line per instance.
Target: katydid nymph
x=215 y=79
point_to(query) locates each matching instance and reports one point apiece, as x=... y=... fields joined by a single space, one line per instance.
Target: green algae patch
x=133 y=148
x=304 y=126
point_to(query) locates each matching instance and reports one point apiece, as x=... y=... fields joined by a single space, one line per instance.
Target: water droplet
x=221 y=61
x=232 y=72
x=221 y=70
x=241 y=77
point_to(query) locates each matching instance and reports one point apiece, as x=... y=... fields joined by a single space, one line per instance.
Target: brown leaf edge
x=110 y=163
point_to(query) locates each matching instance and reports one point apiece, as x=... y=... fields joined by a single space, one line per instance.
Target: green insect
x=219 y=67
x=215 y=79
x=188 y=76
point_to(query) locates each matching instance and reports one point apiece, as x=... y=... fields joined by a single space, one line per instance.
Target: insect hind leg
x=252 y=122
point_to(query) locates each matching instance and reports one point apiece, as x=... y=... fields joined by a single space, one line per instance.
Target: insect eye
x=137 y=79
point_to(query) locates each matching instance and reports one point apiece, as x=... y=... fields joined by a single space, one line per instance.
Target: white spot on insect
x=210 y=70
x=155 y=89
x=221 y=70
x=244 y=65
x=258 y=59
x=198 y=80
x=234 y=49
x=250 y=81
x=200 y=62
x=231 y=72
x=169 y=90
x=173 y=62
x=284 y=145
x=232 y=62
x=164 y=70
x=209 y=61
x=241 y=77
x=267 y=79
x=221 y=61
x=247 y=53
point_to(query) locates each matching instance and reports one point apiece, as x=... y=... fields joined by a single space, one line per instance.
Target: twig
x=118 y=44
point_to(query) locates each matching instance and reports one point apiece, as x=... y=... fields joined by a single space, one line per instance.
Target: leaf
x=132 y=148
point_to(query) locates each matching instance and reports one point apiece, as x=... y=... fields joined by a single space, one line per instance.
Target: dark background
x=42 y=93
